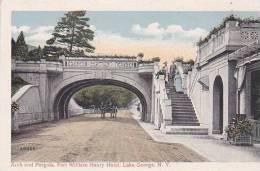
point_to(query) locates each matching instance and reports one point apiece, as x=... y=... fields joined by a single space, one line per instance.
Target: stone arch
x=218 y=106
x=65 y=90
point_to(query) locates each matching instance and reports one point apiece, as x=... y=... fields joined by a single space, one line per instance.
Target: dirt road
x=90 y=138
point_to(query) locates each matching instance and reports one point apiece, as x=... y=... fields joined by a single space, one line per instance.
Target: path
x=90 y=138
x=213 y=149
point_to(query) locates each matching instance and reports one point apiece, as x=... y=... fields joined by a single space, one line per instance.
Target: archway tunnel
x=61 y=102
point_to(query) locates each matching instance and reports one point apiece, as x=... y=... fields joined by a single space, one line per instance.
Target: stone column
x=153 y=102
x=44 y=91
x=14 y=123
x=242 y=106
x=167 y=114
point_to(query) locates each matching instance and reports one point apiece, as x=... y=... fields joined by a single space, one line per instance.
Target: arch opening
x=62 y=99
x=217 y=106
x=255 y=94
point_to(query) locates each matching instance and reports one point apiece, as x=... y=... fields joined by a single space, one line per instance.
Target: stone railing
x=163 y=110
x=146 y=68
x=39 y=66
x=232 y=37
x=70 y=63
x=97 y=62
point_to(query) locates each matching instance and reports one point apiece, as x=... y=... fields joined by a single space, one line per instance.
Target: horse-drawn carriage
x=112 y=109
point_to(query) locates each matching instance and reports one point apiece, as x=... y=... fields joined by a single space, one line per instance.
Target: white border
x=7 y=6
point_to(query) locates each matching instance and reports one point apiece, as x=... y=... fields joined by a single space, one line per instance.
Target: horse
x=103 y=111
x=108 y=109
x=113 y=112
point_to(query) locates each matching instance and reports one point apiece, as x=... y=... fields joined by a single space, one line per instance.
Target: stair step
x=175 y=104
x=181 y=104
x=175 y=115
x=180 y=99
x=183 y=107
x=184 y=117
x=190 y=109
x=187 y=130
x=188 y=133
x=183 y=113
x=180 y=95
x=186 y=123
x=179 y=120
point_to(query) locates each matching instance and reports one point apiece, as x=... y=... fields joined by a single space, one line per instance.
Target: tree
x=95 y=95
x=141 y=54
x=12 y=48
x=21 y=49
x=36 y=54
x=52 y=53
x=73 y=31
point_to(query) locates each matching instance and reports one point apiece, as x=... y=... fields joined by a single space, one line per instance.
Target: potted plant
x=160 y=72
x=239 y=131
x=14 y=107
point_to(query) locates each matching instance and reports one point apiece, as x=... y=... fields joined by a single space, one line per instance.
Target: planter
x=243 y=139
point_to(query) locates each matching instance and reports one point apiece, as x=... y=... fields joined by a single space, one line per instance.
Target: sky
x=164 y=34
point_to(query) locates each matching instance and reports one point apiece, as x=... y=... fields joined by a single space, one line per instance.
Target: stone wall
x=58 y=82
x=202 y=98
x=30 y=110
x=74 y=108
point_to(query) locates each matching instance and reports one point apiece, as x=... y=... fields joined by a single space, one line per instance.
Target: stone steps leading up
x=185 y=123
x=179 y=110
x=177 y=104
x=183 y=113
x=179 y=107
x=186 y=130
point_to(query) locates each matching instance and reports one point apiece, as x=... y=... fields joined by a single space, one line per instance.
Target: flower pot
x=243 y=139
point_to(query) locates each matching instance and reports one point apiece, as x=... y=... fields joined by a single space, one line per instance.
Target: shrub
x=178 y=59
x=222 y=26
x=239 y=126
x=14 y=107
x=156 y=59
x=160 y=72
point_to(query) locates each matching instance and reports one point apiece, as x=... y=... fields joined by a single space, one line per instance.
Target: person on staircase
x=178 y=82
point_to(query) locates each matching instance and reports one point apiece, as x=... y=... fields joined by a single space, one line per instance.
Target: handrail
x=192 y=85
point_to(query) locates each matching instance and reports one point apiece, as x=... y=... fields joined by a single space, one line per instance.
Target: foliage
x=78 y=53
x=36 y=54
x=156 y=59
x=222 y=26
x=95 y=95
x=73 y=31
x=21 y=49
x=52 y=53
x=160 y=72
x=140 y=54
x=14 y=107
x=12 y=47
x=178 y=59
x=16 y=83
x=191 y=62
x=239 y=126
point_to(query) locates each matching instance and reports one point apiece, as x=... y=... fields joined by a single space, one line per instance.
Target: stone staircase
x=184 y=119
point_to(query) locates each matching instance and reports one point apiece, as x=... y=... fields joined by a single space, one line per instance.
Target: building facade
x=225 y=78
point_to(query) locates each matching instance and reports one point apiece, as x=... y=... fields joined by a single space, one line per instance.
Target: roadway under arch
x=61 y=102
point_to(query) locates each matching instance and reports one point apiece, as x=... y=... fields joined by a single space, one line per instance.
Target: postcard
x=130 y=85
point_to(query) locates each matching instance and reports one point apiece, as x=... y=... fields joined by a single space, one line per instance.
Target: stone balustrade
x=110 y=63
x=86 y=63
x=39 y=66
x=232 y=37
x=146 y=68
